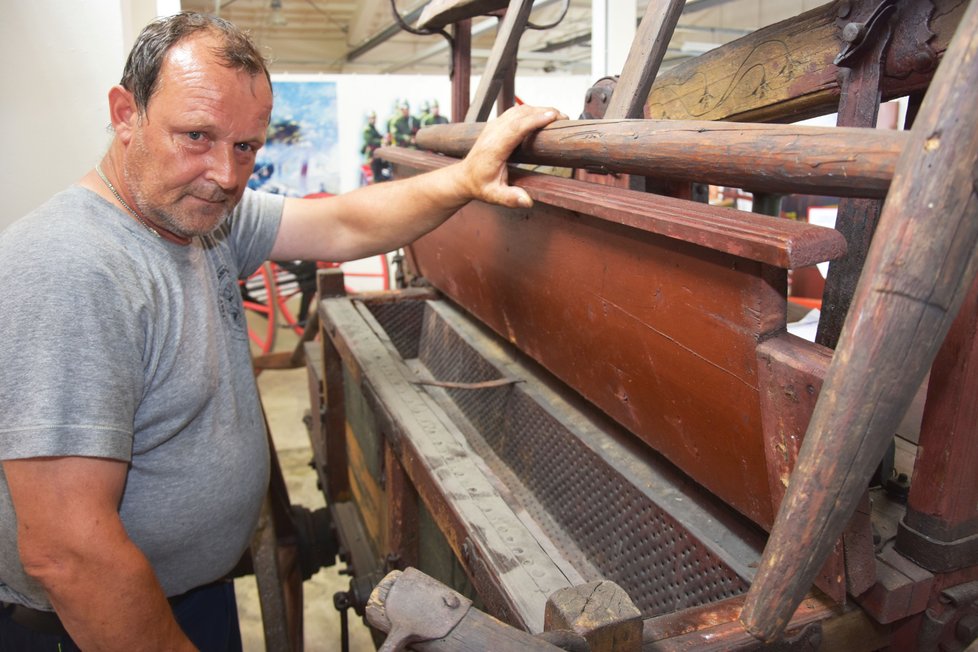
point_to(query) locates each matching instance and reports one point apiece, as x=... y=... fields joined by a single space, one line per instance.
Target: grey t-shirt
x=117 y=344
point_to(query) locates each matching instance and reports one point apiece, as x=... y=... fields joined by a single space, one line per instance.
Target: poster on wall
x=300 y=156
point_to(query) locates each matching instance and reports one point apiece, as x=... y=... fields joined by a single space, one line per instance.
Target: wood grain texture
x=438 y=14
x=920 y=267
x=784 y=72
x=773 y=158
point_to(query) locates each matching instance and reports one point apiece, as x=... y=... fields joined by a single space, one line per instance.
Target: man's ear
x=122 y=112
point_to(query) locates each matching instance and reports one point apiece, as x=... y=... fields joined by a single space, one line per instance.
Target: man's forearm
x=113 y=601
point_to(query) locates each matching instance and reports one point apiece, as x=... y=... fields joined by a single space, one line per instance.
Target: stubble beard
x=173 y=221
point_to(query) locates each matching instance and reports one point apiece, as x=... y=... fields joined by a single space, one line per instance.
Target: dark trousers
x=208 y=615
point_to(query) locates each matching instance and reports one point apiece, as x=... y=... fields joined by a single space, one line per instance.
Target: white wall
x=60 y=58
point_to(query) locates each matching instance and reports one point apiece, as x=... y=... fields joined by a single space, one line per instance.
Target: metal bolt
x=844 y=9
x=451 y=601
x=854 y=32
x=924 y=61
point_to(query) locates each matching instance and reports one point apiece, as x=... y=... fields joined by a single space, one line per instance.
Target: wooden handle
x=845 y=162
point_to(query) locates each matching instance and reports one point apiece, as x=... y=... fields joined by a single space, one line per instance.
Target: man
x=434 y=116
x=372 y=140
x=403 y=127
x=133 y=450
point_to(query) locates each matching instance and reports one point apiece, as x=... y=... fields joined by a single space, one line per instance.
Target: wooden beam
x=775 y=158
x=503 y=55
x=644 y=58
x=438 y=14
x=785 y=72
x=774 y=241
x=920 y=267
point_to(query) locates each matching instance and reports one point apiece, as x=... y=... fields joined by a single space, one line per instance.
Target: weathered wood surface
x=781 y=243
x=502 y=58
x=644 y=58
x=714 y=627
x=775 y=158
x=438 y=14
x=330 y=443
x=600 y=612
x=784 y=72
x=512 y=573
x=921 y=266
x=402 y=512
x=942 y=509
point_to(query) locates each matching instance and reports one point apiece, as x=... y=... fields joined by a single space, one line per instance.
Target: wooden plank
x=439 y=14
x=644 y=58
x=790 y=372
x=784 y=72
x=670 y=328
x=333 y=445
x=501 y=58
x=836 y=161
x=483 y=531
x=920 y=268
x=402 y=512
x=773 y=241
x=714 y=627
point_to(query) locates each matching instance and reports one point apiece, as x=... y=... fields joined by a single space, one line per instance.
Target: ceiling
x=304 y=36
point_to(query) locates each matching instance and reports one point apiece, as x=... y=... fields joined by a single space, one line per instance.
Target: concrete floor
x=285 y=395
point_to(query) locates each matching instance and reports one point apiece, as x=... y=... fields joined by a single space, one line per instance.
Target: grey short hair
x=141 y=74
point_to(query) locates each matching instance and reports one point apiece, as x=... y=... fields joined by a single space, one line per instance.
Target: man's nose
x=221 y=169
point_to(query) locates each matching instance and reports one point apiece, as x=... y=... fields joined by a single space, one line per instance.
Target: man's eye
x=195 y=135
x=246 y=147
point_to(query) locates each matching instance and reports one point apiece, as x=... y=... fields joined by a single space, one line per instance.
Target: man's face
x=190 y=156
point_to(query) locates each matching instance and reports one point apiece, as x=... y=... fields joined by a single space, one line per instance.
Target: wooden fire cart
x=587 y=422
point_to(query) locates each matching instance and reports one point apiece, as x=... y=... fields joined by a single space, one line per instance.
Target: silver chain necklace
x=115 y=193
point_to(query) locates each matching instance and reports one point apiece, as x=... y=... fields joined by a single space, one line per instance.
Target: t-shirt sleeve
x=71 y=375
x=253 y=229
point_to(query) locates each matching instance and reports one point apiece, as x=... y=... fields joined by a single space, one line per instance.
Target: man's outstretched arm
x=385 y=216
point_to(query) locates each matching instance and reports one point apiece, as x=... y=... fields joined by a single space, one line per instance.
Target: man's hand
x=484 y=168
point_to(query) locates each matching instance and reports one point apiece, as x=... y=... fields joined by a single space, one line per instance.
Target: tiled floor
x=285 y=397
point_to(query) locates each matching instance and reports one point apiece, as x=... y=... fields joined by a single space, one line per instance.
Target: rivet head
x=451 y=601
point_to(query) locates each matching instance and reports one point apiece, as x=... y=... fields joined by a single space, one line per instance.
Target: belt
x=47 y=622
x=40 y=622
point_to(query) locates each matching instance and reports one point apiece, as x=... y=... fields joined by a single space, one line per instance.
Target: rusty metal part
x=856 y=218
x=951 y=623
x=597 y=97
x=416 y=608
x=859 y=36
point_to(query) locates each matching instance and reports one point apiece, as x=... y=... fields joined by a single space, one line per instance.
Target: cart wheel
x=258 y=293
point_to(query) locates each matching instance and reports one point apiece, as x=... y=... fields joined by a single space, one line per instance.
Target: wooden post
x=941 y=522
x=503 y=52
x=599 y=611
x=644 y=58
x=919 y=270
x=330 y=284
x=461 y=68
